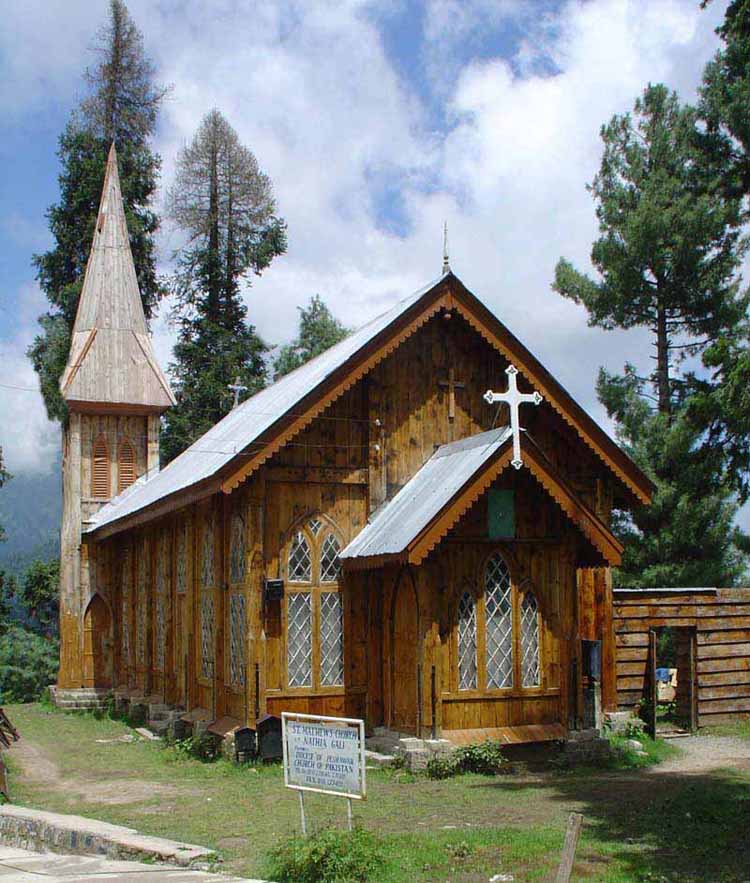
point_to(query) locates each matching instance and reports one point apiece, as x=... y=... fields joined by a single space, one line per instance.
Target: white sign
x=324 y=754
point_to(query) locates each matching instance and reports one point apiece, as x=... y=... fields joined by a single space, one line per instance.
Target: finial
x=236 y=388
x=446 y=263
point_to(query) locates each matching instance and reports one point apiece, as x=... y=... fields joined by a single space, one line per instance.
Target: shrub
x=202 y=746
x=480 y=757
x=28 y=665
x=328 y=856
x=442 y=767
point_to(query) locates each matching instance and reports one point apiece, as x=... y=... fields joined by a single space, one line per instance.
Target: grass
x=737 y=730
x=626 y=758
x=637 y=827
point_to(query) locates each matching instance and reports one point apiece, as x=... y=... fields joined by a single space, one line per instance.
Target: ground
x=683 y=820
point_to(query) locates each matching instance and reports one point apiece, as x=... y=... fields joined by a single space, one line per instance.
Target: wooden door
x=404 y=659
x=97 y=669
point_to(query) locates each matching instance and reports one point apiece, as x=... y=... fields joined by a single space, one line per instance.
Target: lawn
x=638 y=826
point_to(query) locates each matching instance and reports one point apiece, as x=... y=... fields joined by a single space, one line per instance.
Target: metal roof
x=425 y=495
x=246 y=423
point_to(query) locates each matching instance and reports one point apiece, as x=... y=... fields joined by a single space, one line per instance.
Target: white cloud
x=310 y=88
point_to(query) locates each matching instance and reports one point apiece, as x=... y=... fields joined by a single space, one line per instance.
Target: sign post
x=325 y=755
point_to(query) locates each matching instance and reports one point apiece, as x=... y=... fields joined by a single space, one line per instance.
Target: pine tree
x=668 y=256
x=121 y=106
x=4 y=476
x=224 y=205
x=319 y=329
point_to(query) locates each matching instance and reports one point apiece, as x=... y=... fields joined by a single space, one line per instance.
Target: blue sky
x=376 y=121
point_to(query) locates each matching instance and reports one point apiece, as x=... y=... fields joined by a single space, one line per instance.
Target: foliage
x=484 y=758
x=318 y=330
x=28 y=665
x=4 y=476
x=224 y=205
x=329 y=856
x=38 y=594
x=668 y=257
x=121 y=105
x=202 y=746
x=655 y=751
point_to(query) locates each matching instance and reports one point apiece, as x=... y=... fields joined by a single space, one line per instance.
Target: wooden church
x=374 y=535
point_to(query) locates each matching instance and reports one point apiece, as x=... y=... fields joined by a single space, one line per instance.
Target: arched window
x=498 y=613
x=100 y=469
x=529 y=641
x=314 y=608
x=126 y=465
x=467 y=643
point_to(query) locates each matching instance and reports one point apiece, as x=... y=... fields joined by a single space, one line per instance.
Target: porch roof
x=406 y=529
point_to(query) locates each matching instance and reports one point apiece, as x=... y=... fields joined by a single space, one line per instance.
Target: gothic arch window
x=497 y=632
x=126 y=465
x=100 y=468
x=314 y=607
x=237 y=549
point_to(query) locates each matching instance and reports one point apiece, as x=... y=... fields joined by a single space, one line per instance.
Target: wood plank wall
x=721 y=619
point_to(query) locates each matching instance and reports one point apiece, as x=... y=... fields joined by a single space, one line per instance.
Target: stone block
x=410 y=743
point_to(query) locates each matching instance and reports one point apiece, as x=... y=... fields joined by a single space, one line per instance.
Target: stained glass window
x=300 y=559
x=237 y=639
x=331 y=640
x=467 y=643
x=529 y=641
x=299 y=639
x=498 y=623
x=329 y=559
x=237 y=549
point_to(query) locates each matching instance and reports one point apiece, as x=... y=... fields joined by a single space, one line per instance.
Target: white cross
x=513 y=398
x=236 y=388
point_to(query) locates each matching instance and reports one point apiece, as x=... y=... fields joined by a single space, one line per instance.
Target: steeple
x=111 y=361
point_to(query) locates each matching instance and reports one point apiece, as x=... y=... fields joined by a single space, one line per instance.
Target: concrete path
x=702 y=753
x=20 y=866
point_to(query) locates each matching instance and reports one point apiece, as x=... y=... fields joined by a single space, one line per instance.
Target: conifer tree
x=224 y=205
x=319 y=329
x=668 y=256
x=122 y=106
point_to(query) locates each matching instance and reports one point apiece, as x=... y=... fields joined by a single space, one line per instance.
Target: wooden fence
x=719 y=619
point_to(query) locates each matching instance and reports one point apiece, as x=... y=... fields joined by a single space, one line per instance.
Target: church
x=413 y=528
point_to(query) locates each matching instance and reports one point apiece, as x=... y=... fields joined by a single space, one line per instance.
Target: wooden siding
x=721 y=620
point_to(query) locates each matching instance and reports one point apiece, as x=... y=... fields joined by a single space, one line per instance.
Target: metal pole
x=302 y=812
x=348 y=811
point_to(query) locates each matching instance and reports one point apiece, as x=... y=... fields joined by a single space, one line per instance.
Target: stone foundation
x=585 y=747
x=417 y=752
x=83 y=699
x=620 y=722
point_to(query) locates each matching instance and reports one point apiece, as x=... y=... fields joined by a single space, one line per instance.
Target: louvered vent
x=125 y=466
x=100 y=483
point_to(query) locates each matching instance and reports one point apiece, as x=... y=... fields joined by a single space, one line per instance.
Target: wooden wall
x=721 y=619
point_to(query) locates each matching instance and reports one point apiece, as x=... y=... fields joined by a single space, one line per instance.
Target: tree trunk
x=662 y=362
x=214 y=282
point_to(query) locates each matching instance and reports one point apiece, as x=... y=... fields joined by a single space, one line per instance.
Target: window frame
x=316 y=587
x=476 y=588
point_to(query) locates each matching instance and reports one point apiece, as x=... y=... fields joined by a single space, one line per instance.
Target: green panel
x=501 y=515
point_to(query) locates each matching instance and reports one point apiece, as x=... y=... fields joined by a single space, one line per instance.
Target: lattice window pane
x=237 y=551
x=182 y=559
x=141 y=637
x=467 y=643
x=125 y=588
x=314 y=524
x=299 y=639
x=161 y=633
x=300 y=560
x=330 y=565
x=207 y=635
x=207 y=556
x=530 y=672
x=498 y=610
x=237 y=639
x=331 y=640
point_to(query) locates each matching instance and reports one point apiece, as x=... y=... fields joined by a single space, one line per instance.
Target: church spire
x=111 y=359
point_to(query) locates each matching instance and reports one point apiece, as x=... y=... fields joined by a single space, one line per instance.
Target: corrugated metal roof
x=242 y=426
x=423 y=497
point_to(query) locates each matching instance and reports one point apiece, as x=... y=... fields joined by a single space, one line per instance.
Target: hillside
x=30 y=507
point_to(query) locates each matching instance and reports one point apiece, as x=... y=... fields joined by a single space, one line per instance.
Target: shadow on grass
x=657 y=827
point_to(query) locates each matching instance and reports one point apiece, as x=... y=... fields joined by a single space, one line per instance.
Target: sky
x=377 y=122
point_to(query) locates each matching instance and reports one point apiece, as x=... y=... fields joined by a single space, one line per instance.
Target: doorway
x=673 y=694
x=404 y=658
x=97 y=644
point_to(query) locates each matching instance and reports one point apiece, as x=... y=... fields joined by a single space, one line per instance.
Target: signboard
x=324 y=754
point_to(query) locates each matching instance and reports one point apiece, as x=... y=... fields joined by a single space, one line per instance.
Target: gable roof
x=408 y=527
x=111 y=359
x=252 y=433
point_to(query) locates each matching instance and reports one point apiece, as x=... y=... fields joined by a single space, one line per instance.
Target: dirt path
x=38 y=767
x=699 y=754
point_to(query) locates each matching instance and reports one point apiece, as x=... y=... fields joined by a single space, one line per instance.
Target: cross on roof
x=236 y=388
x=451 y=384
x=513 y=398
